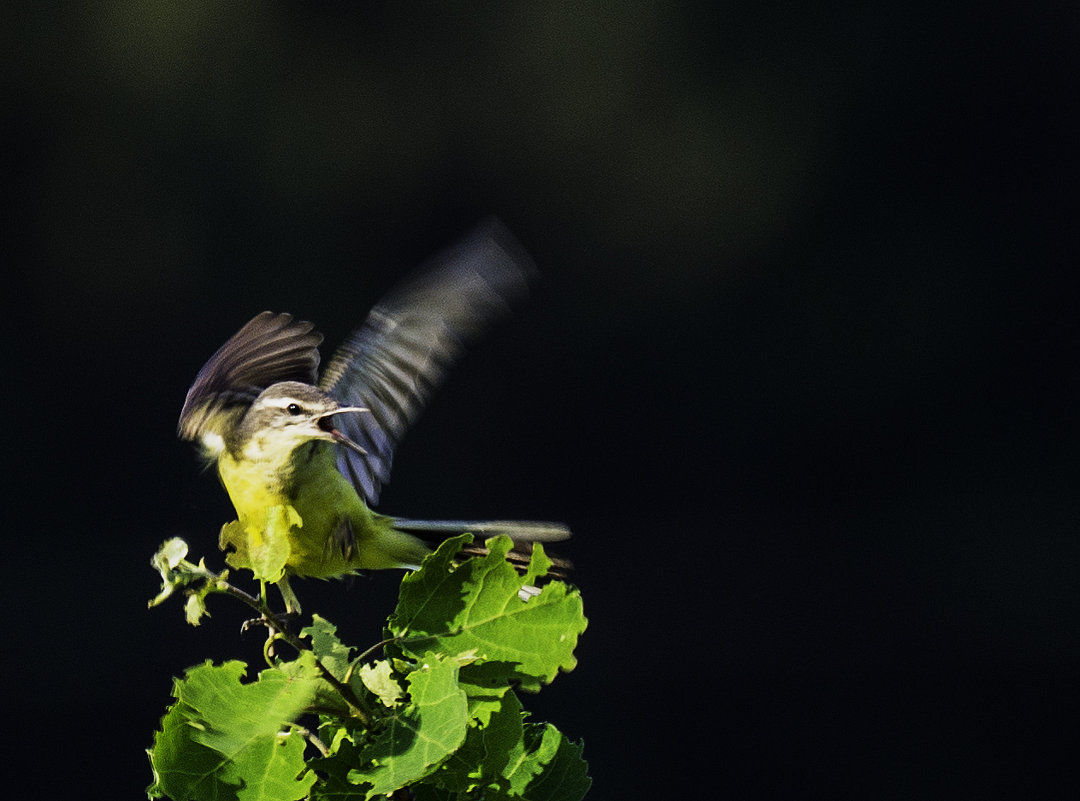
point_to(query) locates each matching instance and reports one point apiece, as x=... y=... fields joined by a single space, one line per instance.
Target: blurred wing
x=270 y=348
x=394 y=361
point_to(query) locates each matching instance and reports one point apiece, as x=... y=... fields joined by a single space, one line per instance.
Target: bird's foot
x=275 y=623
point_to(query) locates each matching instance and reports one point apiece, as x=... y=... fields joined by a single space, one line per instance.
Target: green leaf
x=422 y=734
x=409 y=744
x=548 y=767
x=195 y=608
x=223 y=739
x=333 y=654
x=184 y=769
x=169 y=556
x=379 y=679
x=494 y=732
x=334 y=783
x=474 y=607
x=269 y=772
x=504 y=758
x=485 y=701
x=234 y=714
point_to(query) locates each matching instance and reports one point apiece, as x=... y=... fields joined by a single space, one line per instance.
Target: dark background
x=798 y=373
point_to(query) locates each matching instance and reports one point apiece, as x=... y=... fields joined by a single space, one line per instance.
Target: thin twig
x=312 y=738
x=272 y=621
x=365 y=655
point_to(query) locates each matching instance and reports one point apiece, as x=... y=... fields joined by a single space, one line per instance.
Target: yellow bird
x=303 y=456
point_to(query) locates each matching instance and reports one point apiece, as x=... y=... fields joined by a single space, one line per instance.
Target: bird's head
x=287 y=414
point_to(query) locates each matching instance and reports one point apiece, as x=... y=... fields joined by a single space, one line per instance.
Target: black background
x=798 y=373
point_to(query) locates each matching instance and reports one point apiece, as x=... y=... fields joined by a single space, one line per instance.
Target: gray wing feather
x=393 y=362
x=269 y=348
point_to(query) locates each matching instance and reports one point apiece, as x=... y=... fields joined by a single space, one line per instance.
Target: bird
x=304 y=455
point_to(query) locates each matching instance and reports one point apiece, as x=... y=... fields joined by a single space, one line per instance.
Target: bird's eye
x=293 y=408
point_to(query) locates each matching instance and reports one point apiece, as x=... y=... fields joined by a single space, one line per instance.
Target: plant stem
x=312 y=738
x=274 y=622
x=365 y=655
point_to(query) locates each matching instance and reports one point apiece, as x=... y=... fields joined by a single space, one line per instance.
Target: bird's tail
x=523 y=532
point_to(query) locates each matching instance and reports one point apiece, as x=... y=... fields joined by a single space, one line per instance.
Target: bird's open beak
x=335 y=433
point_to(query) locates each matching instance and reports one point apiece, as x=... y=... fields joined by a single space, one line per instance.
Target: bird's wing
x=394 y=361
x=270 y=348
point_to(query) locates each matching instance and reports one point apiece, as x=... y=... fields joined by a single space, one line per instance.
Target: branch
x=177 y=572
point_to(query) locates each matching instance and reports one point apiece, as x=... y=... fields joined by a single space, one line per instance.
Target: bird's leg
x=292 y=603
x=292 y=611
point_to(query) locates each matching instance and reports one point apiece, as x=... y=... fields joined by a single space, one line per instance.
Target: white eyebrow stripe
x=279 y=403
